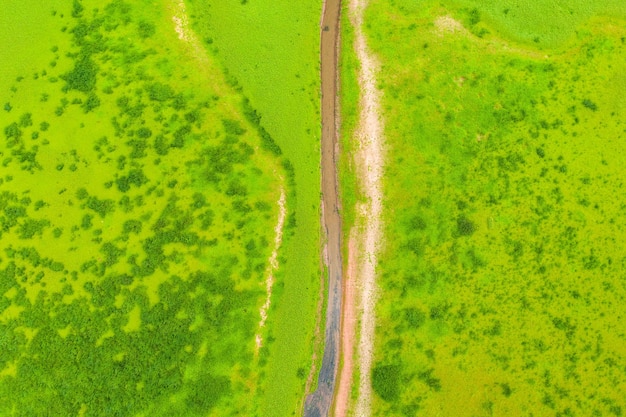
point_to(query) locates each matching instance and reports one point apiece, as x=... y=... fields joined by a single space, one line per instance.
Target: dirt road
x=318 y=403
x=365 y=236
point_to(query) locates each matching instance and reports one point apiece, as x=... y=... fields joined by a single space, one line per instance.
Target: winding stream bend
x=318 y=403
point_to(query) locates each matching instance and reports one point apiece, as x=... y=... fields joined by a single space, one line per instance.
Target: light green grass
x=543 y=23
x=27 y=51
x=271 y=48
x=136 y=219
x=502 y=273
x=349 y=116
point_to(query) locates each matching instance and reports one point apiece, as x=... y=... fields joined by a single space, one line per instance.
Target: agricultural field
x=140 y=198
x=502 y=284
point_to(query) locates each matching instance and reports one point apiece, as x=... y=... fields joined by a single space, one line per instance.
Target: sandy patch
x=447 y=24
x=185 y=32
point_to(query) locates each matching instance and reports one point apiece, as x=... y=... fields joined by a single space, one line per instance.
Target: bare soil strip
x=272 y=266
x=184 y=31
x=348 y=330
x=318 y=403
x=369 y=161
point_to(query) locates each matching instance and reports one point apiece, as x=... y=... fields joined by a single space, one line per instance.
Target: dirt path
x=369 y=161
x=348 y=330
x=318 y=403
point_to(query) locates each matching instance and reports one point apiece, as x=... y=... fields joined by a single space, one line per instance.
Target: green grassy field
x=137 y=212
x=502 y=276
x=349 y=109
x=271 y=52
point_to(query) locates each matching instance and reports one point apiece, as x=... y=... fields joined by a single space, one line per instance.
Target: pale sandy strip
x=272 y=265
x=185 y=33
x=370 y=163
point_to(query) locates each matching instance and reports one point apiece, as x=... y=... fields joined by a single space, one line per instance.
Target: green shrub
x=143 y=132
x=86 y=222
x=414 y=317
x=428 y=378
x=417 y=223
x=590 y=105
x=146 y=29
x=77 y=9
x=132 y=226
x=31 y=227
x=12 y=131
x=464 y=226
x=233 y=127
x=160 y=92
x=102 y=207
x=91 y=103
x=26 y=120
x=83 y=76
x=386 y=381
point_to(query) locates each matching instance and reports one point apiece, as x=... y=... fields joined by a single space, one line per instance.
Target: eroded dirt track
x=318 y=403
x=369 y=160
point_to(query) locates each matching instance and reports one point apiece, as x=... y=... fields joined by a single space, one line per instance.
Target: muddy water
x=318 y=403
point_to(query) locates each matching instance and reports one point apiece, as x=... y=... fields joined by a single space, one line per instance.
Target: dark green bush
x=464 y=226
x=111 y=252
x=90 y=103
x=139 y=147
x=160 y=92
x=146 y=29
x=137 y=177
x=56 y=266
x=83 y=76
x=233 y=127
x=386 y=381
x=414 y=317
x=31 y=227
x=26 y=120
x=590 y=105
x=77 y=9
x=143 y=132
x=86 y=222
x=81 y=193
x=12 y=131
x=132 y=226
x=102 y=207
x=417 y=223
x=428 y=378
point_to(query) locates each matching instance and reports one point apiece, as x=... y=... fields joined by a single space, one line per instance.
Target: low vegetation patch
x=137 y=208
x=501 y=277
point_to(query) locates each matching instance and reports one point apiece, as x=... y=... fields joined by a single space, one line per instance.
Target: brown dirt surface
x=348 y=331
